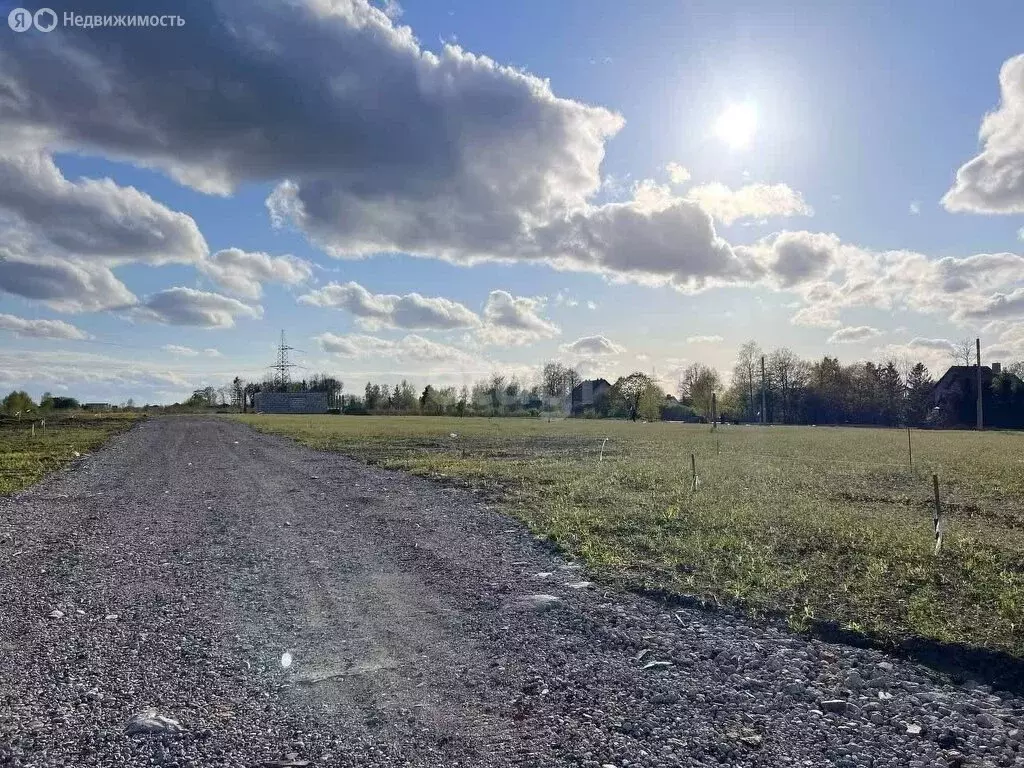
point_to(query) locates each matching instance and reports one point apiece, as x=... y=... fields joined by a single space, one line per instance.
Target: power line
x=282 y=376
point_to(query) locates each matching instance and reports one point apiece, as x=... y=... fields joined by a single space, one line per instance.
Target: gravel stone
x=390 y=593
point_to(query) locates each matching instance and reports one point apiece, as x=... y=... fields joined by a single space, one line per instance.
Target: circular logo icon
x=45 y=20
x=19 y=20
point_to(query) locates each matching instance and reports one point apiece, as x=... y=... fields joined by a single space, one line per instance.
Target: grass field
x=816 y=523
x=26 y=457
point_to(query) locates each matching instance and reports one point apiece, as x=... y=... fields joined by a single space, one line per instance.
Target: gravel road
x=289 y=607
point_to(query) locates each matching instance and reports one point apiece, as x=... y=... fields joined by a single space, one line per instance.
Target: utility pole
x=282 y=377
x=981 y=420
x=764 y=408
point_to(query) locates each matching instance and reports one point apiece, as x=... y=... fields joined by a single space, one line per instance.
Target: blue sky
x=859 y=213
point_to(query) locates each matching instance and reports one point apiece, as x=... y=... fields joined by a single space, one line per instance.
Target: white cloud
x=565 y=300
x=378 y=310
x=591 y=305
x=944 y=345
x=41 y=329
x=411 y=348
x=851 y=334
x=212 y=352
x=179 y=350
x=243 y=273
x=655 y=238
x=998 y=306
x=817 y=316
x=677 y=174
x=93 y=218
x=915 y=207
x=514 y=320
x=831 y=276
x=704 y=339
x=392 y=9
x=792 y=258
x=187 y=306
x=993 y=181
x=754 y=201
x=593 y=346
x=63 y=285
x=453 y=157
x=395 y=148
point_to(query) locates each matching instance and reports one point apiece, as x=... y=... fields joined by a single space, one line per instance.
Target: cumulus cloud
x=63 y=285
x=831 y=276
x=753 y=201
x=943 y=345
x=817 y=316
x=790 y=258
x=41 y=329
x=394 y=147
x=677 y=174
x=655 y=238
x=915 y=207
x=93 y=218
x=212 y=352
x=593 y=346
x=515 y=320
x=998 y=306
x=993 y=181
x=243 y=273
x=851 y=334
x=187 y=306
x=379 y=310
x=704 y=339
x=411 y=348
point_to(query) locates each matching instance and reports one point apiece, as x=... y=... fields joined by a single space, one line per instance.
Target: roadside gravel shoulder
x=285 y=605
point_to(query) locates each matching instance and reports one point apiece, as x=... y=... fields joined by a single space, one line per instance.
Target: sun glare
x=737 y=125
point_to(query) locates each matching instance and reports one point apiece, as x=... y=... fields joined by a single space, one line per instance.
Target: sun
x=737 y=125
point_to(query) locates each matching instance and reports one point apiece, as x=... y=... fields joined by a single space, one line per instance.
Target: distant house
x=291 y=402
x=955 y=397
x=590 y=395
x=97 y=406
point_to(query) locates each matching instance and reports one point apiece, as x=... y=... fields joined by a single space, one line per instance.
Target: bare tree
x=782 y=364
x=962 y=352
x=745 y=372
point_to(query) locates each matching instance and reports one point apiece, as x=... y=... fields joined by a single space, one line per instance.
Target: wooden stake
x=910 y=449
x=693 y=467
x=714 y=410
x=937 y=515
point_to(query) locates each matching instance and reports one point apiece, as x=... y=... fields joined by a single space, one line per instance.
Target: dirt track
x=190 y=554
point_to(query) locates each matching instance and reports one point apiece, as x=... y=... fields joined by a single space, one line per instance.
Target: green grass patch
x=816 y=523
x=29 y=451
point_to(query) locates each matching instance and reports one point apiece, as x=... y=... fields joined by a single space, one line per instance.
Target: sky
x=438 y=190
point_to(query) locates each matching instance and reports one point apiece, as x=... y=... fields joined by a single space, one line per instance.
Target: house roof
x=967 y=373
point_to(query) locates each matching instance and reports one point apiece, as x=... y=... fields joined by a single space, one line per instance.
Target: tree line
x=776 y=387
